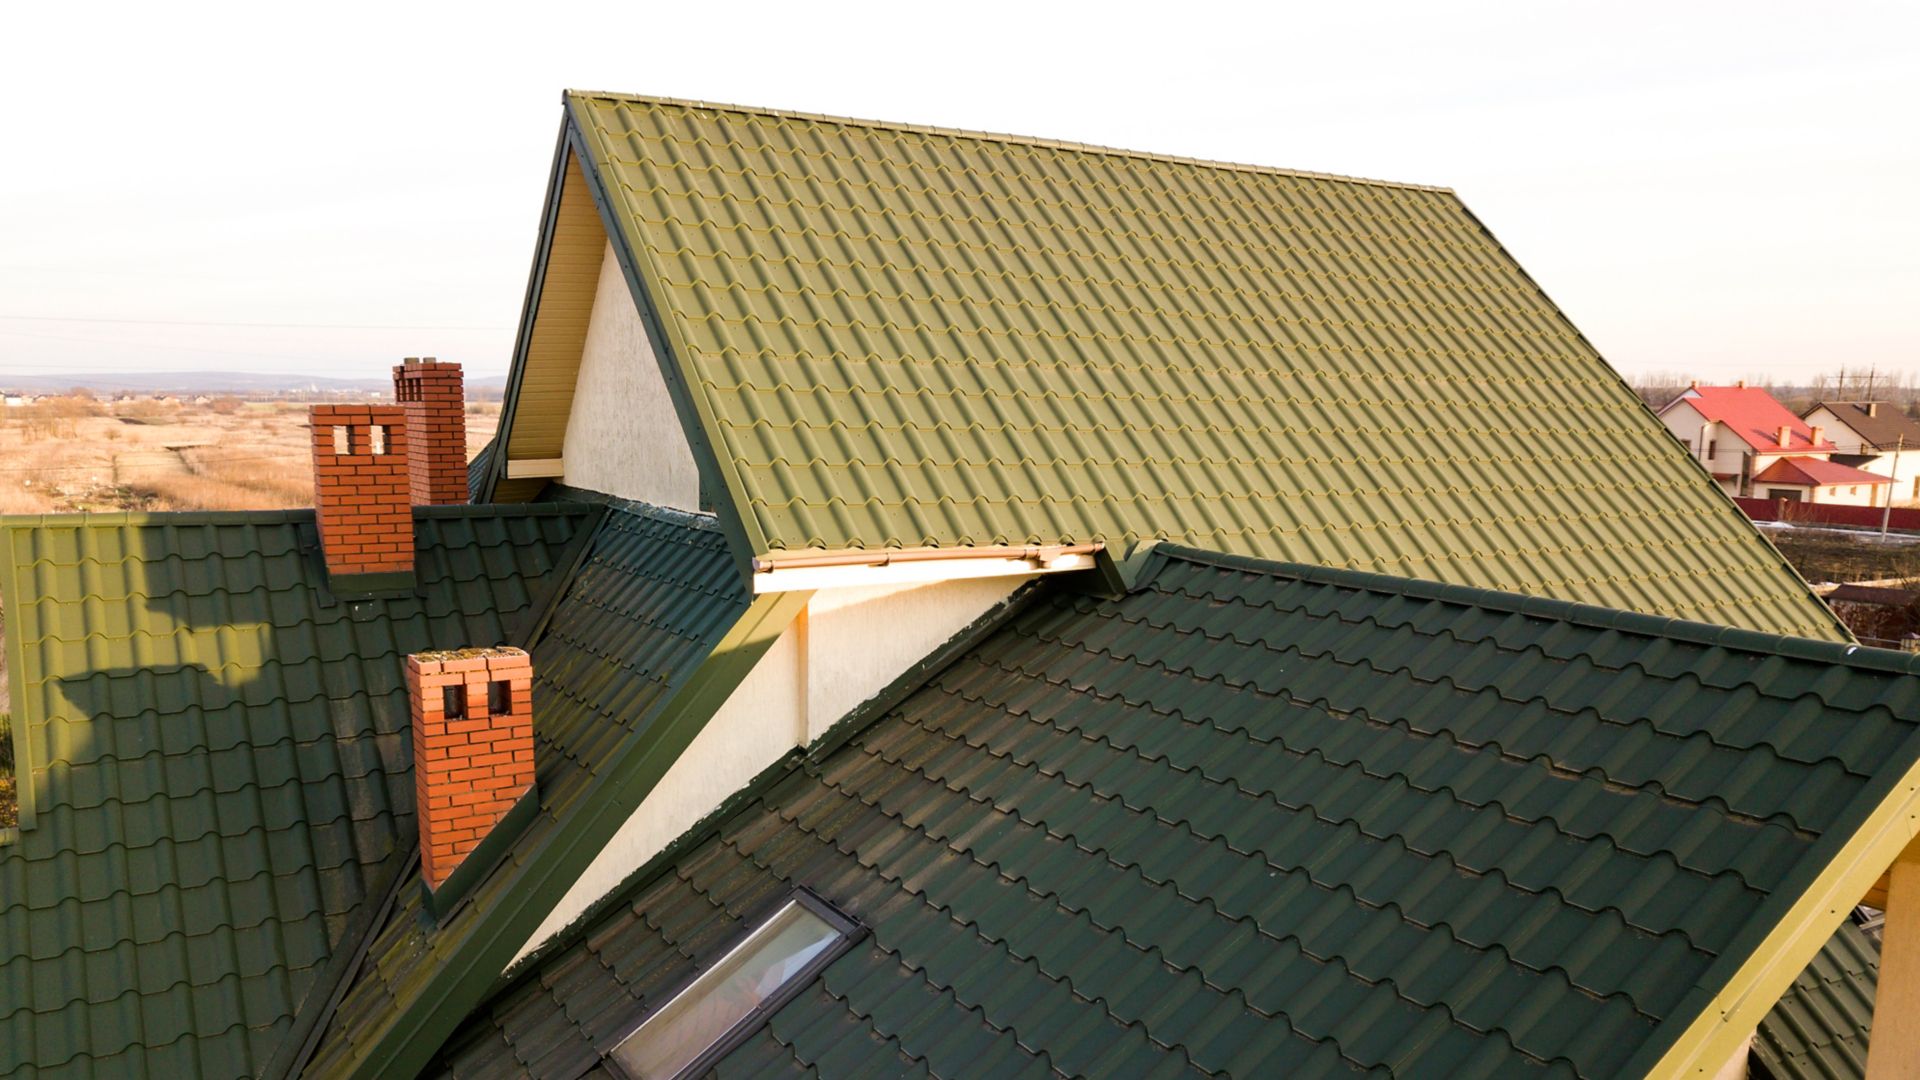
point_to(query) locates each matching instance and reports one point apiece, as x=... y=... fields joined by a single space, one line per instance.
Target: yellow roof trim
x=1707 y=1043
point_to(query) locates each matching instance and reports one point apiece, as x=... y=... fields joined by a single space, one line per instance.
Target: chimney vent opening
x=360 y=496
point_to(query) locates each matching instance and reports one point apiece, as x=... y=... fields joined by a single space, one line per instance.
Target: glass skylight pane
x=775 y=953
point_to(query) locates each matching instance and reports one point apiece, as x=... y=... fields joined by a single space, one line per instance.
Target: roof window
x=731 y=999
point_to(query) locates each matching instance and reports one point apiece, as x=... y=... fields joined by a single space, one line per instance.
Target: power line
x=253 y=325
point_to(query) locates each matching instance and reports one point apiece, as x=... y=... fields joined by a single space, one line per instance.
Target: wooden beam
x=1877 y=896
x=1893 y=1049
x=533 y=468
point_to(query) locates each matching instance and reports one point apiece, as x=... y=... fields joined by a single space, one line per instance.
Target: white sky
x=1711 y=189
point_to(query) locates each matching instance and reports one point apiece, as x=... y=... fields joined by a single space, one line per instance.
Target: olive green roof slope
x=1819 y=1029
x=215 y=764
x=654 y=630
x=892 y=336
x=1266 y=820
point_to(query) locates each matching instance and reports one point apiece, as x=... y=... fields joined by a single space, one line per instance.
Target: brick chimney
x=472 y=748
x=434 y=396
x=1818 y=431
x=360 y=493
x=1786 y=436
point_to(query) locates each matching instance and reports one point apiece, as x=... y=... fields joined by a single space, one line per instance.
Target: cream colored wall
x=1905 y=473
x=1692 y=429
x=846 y=647
x=623 y=436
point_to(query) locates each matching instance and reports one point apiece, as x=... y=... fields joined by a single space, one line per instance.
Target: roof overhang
x=814 y=570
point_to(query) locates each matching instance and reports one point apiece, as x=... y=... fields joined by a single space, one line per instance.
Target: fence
x=1905 y=519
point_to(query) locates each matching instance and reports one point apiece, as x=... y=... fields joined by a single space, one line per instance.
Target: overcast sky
x=1707 y=189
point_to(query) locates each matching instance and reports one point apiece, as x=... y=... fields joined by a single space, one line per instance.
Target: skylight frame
x=848 y=933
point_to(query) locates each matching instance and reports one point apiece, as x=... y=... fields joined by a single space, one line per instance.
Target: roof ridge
x=1589 y=615
x=999 y=137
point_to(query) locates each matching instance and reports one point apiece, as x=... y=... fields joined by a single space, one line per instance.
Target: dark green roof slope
x=477 y=471
x=652 y=601
x=1269 y=821
x=1818 y=1031
x=891 y=336
x=216 y=763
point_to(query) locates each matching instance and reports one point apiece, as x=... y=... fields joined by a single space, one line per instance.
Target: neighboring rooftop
x=1882 y=424
x=1275 y=820
x=216 y=784
x=886 y=336
x=1753 y=416
x=1814 y=472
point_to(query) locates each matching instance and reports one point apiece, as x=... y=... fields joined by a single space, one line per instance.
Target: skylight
x=730 y=1000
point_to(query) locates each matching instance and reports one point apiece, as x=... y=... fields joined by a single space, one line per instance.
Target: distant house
x=1756 y=447
x=1876 y=436
x=20 y=401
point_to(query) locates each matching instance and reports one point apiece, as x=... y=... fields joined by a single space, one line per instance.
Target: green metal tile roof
x=891 y=336
x=217 y=770
x=654 y=630
x=477 y=471
x=1268 y=820
x=1818 y=1031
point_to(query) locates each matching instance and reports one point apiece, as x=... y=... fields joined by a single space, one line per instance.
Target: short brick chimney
x=472 y=748
x=1818 y=433
x=434 y=396
x=360 y=493
x=1786 y=436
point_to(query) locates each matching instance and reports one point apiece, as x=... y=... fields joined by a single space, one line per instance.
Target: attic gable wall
x=623 y=437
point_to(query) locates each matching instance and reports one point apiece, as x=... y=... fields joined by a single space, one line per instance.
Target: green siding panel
x=904 y=337
x=220 y=772
x=1264 y=820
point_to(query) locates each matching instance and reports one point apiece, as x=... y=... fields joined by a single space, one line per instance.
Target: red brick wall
x=360 y=497
x=469 y=770
x=434 y=396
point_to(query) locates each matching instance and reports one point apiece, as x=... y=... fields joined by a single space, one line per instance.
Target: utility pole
x=1893 y=482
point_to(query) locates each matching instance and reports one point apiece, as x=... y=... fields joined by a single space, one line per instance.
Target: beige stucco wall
x=847 y=646
x=623 y=436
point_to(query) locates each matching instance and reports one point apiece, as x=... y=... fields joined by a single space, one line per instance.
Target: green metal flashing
x=371 y=586
x=483 y=860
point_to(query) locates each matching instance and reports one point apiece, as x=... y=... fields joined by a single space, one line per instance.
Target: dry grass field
x=68 y=454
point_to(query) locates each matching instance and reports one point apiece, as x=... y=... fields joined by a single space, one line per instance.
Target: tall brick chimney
x=472 y=748
x=360 y=494
x=434 y=396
